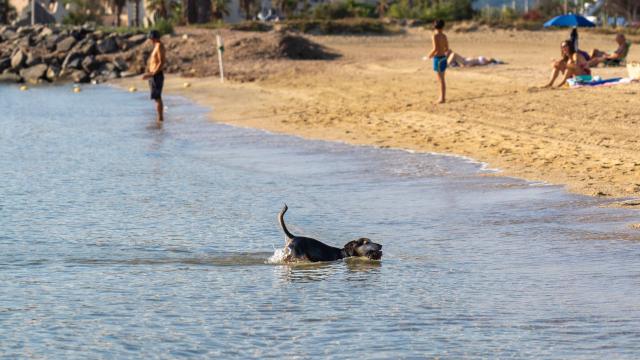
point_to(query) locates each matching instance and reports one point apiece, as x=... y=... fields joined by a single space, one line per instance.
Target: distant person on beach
x=571 y=63
x=439 y=56
x=455 y=59
x=154 y=74
x=614 y=58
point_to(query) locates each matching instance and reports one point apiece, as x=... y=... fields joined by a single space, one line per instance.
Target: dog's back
x=313 y=250
x=304 y=248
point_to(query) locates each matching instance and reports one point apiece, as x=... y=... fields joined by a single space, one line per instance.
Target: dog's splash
x=279 y=256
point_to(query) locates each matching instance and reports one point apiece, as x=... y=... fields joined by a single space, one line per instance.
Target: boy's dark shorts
x=155 y=85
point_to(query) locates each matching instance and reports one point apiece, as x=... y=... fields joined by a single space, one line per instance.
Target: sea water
x=121 y=238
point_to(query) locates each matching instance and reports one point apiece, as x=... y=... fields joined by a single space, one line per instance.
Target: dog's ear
x=350 y=247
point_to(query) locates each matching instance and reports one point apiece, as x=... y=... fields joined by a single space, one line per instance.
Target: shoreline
x=498 y=118
x=224 y=115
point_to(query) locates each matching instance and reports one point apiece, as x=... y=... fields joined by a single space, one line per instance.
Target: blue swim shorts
x=439 y=63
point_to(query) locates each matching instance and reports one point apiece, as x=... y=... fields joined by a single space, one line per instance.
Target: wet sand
x=381 y=92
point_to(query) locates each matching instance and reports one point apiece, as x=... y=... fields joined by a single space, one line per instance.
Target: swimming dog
x=304 y=248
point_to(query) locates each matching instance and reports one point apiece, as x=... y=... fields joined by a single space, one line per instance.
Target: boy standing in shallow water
x=439 y=56
x=154 y=73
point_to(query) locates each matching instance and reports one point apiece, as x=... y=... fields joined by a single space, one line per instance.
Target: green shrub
x=448 y=10
x=361 y=10
x=251 y=26
x=163 y=26
x=490 y=15
x=508 y=18
x=78 y=18
x=84 y=11
x=443 y=12
x=331 y=11
x=343 y=10
x=215 y=24
x=345 y=26
x=122 y=30
x=508 y=15
x=402 y=10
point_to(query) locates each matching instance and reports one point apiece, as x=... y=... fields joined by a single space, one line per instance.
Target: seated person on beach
x=455 y=59
x=571 y=64
x=614 y=58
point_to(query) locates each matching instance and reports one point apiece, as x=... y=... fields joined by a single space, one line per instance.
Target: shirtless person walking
x=154 y=73
x=439 y=56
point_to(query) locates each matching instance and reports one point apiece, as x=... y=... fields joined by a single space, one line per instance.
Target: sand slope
x=381 y=92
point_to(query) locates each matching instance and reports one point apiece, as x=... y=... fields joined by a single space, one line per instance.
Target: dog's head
x=364 y=247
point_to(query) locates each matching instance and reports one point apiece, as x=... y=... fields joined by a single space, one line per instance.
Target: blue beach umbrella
x=569 y=20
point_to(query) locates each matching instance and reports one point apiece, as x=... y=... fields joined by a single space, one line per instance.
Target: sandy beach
x=381 y=92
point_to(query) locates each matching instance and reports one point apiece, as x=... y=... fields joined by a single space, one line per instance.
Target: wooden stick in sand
x=220 y=50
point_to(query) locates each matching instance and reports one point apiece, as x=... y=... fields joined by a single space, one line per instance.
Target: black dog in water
x=304 y=248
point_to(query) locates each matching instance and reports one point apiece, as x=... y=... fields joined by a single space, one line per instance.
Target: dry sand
x=381 y=92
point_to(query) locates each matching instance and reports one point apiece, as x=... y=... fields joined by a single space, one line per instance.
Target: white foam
x=279 y=256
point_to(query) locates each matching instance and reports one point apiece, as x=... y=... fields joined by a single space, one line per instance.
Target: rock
x=9 y=34
x=88 y=47
x=120 y=64
x=5 y=63
x=137 y=39
x=51 y=41
x=51 y=59
x=112 y=75
x=66 y=44
x=107 y=46
x=89 y=63
x=18 y=59
x=34 y=74
x=79 y=76
x=52 y=72
x=72 y=61
x=126 y=74
x=45 y=32
x=77 y=34
x=24 y=30
x=32 y=60
x=88 y=27
x=10 y=78
x=25 y=42
x=107 y=68
x=122 y=43
x=6 y=28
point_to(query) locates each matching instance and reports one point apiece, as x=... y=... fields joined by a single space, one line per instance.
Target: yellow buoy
x=24 y=88
x=186 y=85
x=133 y=89
x=76 y=89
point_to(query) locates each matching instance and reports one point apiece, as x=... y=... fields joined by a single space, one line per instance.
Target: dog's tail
x=281 y=221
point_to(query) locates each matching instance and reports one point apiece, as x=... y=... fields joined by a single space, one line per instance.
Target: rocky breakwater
x=79 y=54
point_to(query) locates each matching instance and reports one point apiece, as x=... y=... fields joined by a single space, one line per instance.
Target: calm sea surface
x=121 y=239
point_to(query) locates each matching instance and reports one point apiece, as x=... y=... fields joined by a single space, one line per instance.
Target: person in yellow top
x=154 y=74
